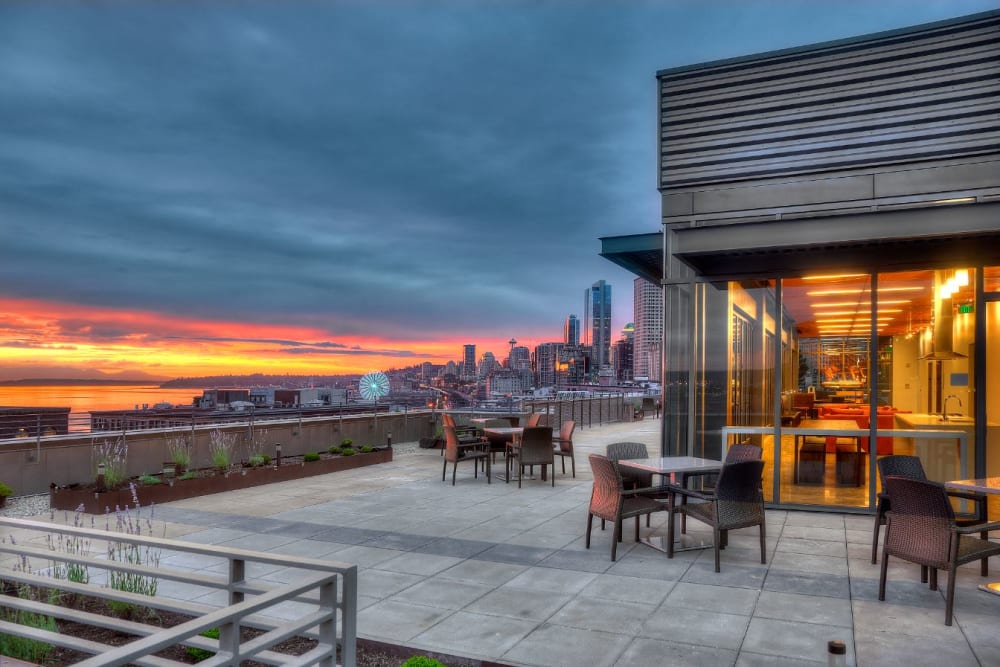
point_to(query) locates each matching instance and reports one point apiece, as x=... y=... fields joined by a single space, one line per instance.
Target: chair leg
x=763 y=542
x=949 y=599
x=590 y=524
x=717 y=537
x=572 y=463
x=454 y=466
x=553 y=472
x=636 y=527
x=489 y=469
x=934 y=579
x=923 y=574
x=984 y=567
x=881 y=578
x=875 y=532
x=615 y=538
x=444 y=471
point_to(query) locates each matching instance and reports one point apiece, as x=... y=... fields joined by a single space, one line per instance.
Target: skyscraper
x=598 y=312
x=571 y=331
x=469 y=363
x=648 y=312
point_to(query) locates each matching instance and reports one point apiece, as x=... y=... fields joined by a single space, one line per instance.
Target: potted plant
x=4 y=492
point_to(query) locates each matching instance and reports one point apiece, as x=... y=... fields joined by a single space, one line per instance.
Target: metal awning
x=642 y=254
x=884 y=241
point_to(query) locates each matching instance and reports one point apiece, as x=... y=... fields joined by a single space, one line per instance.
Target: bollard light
x=388 y=439
x=277 y=454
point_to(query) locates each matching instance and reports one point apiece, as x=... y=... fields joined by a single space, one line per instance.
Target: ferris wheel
x=374 y=385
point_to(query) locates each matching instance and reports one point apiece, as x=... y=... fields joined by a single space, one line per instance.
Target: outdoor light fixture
x=277 y=454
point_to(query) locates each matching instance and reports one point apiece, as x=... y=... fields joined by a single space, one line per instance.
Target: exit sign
x=965 y=308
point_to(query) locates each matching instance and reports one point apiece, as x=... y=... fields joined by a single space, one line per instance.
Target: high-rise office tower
x=598 y=312
x=571 y=331
x=546 y=359
x=487 y=364
x=647 y=303
x=469 y=363
x=622 y=354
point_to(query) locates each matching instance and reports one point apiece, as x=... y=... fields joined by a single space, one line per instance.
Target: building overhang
x=641 y=254
x=885 y=241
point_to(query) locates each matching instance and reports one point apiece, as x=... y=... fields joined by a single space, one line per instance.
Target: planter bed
x=73 y=497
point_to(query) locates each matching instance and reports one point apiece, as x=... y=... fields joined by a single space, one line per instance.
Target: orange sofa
x=884 y=420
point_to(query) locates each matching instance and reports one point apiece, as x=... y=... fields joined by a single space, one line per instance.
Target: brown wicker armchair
x=535 y=448
x=456 y=452
x=563 y=445
x=466 y=434
x=910 y=467
x=738 y=452
x=921 y=529
x=611 y=502
x=634 y=479
x=738 y=502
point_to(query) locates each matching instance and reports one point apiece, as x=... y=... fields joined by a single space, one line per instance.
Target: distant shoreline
x=51 y=382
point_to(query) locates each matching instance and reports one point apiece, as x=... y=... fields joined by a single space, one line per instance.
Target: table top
x=983 y=485
x=669 y=464
x=503 y=430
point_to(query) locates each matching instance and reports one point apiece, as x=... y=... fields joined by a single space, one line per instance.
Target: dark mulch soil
x=369 y=653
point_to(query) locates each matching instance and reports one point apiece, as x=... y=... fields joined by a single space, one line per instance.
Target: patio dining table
x=988 y=485
x=671 y=466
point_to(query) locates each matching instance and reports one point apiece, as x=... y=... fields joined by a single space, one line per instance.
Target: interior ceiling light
x=854 y=312
x=962 y=277
x=865 y=290
x=881 y=302
x=836 y=276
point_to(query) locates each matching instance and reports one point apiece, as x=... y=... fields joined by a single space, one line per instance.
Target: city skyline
x=209 y=188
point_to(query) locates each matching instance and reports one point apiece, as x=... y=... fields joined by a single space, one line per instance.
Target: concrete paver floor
x=494 y=572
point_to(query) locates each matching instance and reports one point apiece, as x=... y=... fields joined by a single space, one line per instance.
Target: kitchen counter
x=944 y=457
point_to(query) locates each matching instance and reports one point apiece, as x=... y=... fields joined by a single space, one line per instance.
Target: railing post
x=349 y=619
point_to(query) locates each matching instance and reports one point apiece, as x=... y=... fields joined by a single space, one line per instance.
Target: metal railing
x=327 y=591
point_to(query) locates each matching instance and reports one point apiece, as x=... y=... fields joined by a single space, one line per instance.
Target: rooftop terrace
x=498 y=573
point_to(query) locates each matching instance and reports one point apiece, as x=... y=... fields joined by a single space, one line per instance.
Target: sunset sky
x=199 y=188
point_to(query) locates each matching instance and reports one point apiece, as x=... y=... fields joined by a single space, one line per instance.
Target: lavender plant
x=110 y=455
x=220 y=448
x=179 y=450
x=255 y=448
x=128 y=521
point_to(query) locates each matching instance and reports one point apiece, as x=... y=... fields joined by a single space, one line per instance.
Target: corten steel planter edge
x=92 y=502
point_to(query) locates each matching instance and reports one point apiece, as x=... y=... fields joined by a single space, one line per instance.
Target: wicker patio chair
x=635 y=479
x=535 y=419
x=610 y=501
x=921 y=529
x=739 y=452
x=738 y=502
x=455 y=453
x=535 y=448
x=466 y=434
x=563 y=445
x=910 y=467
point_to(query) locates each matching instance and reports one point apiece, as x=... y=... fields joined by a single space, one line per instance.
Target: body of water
x=86 y=398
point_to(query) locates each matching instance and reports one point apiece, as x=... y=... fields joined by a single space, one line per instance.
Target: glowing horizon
x=69 y=338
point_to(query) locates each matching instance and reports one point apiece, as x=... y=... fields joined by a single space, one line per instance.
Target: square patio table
x=990 y=485
x=670 y=466
x=507 y=433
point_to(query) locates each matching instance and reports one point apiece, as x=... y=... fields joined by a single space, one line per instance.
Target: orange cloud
x=50 y=334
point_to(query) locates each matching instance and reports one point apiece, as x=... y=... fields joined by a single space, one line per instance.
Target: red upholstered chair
x=883 y=445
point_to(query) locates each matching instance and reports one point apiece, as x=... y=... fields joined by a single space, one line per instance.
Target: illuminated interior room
x=830 y=250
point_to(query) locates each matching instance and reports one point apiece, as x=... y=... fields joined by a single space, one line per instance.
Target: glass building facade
x=830 y=259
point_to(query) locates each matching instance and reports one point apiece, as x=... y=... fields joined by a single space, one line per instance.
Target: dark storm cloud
x=407 y=170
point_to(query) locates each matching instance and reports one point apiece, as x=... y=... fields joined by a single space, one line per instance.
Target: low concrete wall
x=29 y=466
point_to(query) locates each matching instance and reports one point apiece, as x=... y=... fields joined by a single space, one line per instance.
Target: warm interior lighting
x=962 y=277
x=836 y=276
x=864 y=290
x=853 y=312
x=944 y=292
x=881 y=302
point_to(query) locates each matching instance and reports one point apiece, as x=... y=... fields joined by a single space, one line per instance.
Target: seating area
x=436 y=560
